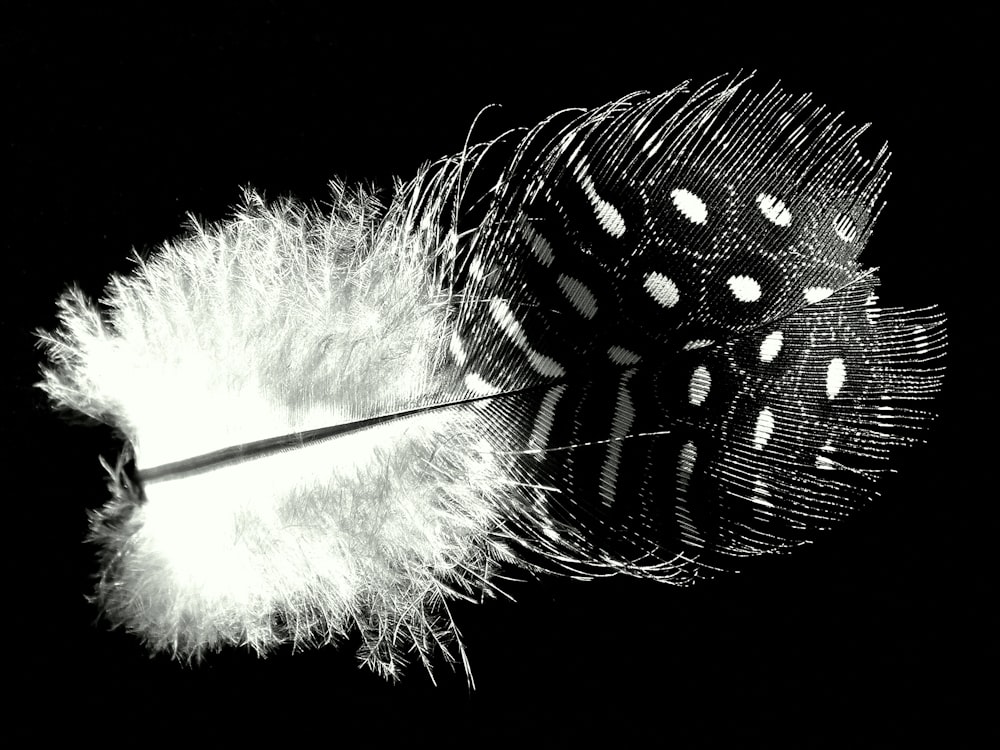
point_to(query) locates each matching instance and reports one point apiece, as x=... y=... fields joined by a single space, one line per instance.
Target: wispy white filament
x=282 y=320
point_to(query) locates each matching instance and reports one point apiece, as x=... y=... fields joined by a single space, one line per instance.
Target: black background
x=119 y=125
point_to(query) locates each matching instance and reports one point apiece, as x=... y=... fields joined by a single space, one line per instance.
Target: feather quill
x=646 y=347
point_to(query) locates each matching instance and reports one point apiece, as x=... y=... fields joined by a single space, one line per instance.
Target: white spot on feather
x=836 y=373
x=608 y=216
x=457 y=350
x=662 y=289
x=504 y=318
x=539 y=245
x=621 y=423
x=701 y=382
x=544 y=420
x=774 y=210
x=845 y=228
x=579 y=295
x=622 y=356
x=690 y=205
x=771 y=346
x=817 y=293
x=697 y=344
x=685 y=464
x=744 y=288
x=763 y=429
x=479 y=385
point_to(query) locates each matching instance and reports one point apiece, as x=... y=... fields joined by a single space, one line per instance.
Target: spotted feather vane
x=635 y=339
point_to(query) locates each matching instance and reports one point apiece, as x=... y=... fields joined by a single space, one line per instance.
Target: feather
x=634 y=339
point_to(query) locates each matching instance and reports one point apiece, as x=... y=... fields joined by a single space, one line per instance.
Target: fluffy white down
x=280 y=320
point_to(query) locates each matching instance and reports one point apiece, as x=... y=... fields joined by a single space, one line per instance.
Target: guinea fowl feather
x=645 y=347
